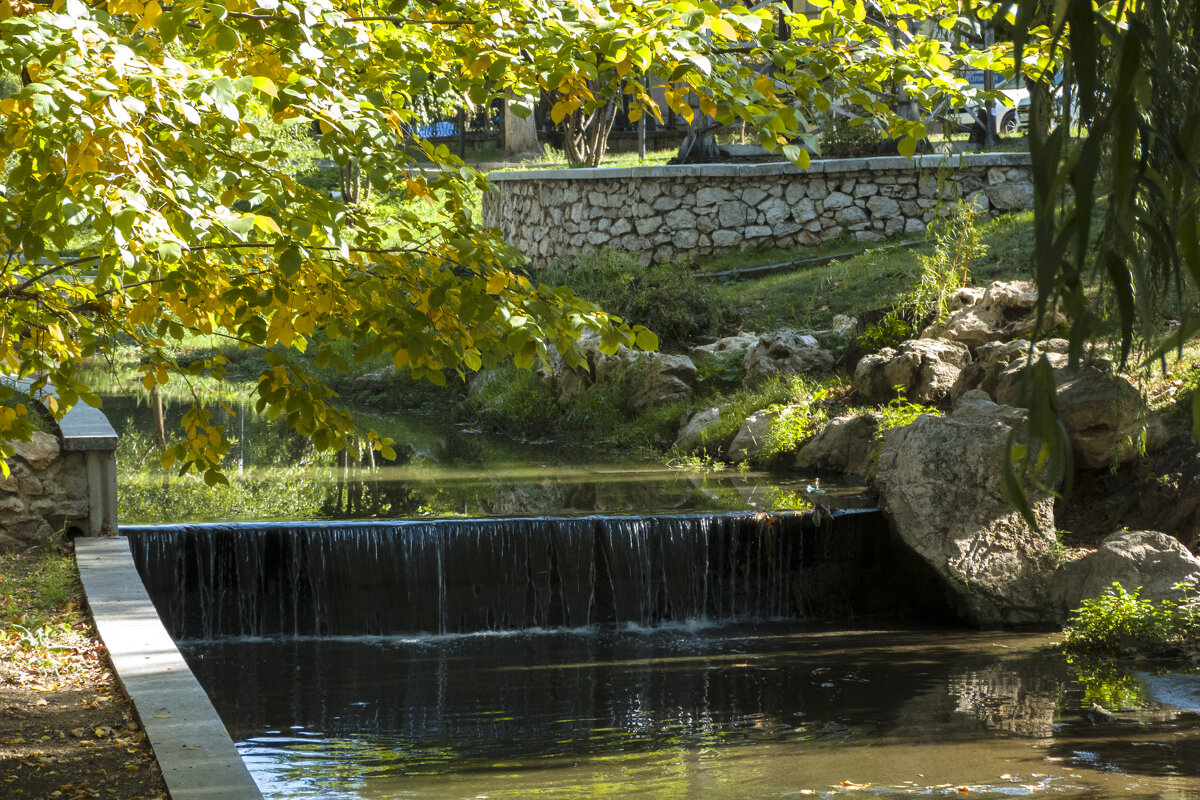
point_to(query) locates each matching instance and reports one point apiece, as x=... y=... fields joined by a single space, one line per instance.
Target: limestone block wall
x=64 y=483
x=663 y=213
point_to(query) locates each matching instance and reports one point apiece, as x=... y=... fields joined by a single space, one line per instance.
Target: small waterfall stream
x=451 y=576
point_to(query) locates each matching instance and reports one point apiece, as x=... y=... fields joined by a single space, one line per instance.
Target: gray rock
x=680 y=219
x=726 y=238
x=939 y=483
x=785 y=352
x=739 y=343
x=925 y=369
x=757 y=231
x=732 y=214
x=1012 y=195
x=793 y=193
x=853 y=215
x=844 y=445
x=883 y=207
x=667 y=378
x=804 y=211
x=39 y=452
x=752 y=436
x=1155 y=562
x=691 y=434
x=686 y=239
x=666 y=203
x=752 y=196
x=1105 y=415
x=648 y=225
x=1004 y=311
x=712 y=195
x=838 y=200
x=24 y=532
x=775 y=211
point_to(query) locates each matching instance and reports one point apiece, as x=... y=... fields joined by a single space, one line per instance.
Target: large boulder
x=1003 y=311
x=1105 y=415
x=939 y=483
x=925 y=369
x=752 y=436
x=667 y=378
x=785 y=352
x=993 y=360
x=692 y=433
x=843 y=445
x=1155 y=562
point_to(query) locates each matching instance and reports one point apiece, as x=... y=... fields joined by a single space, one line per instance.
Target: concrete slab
x=816 y=167
x=193 y=748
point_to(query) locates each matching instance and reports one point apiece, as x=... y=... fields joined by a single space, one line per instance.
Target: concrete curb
x=829 y=166
x=193 y=748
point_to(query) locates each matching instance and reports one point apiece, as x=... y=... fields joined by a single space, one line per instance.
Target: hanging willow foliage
x=1121 y=145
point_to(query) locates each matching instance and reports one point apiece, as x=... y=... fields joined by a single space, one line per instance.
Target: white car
x=1012 y=110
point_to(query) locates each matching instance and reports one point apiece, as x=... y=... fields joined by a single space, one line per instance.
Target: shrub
x=942 y=273
x=516 y=402
x=841 y=138
x=1121 y=622
x=664 y=297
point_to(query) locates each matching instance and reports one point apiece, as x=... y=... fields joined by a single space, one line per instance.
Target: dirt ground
x=1159 y=493
x=67 y=731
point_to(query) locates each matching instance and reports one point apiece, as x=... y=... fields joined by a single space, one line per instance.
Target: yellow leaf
x=623 y=66
x=560 y=111
x=479 y=66
x=400 y=357
x=708 y=107
x=722 y=28
x=496 y=283
x=150 y=16
x=765 y=85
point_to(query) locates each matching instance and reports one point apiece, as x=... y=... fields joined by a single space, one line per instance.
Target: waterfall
x=452 y=576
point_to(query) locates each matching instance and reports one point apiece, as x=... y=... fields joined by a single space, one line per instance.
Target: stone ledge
x=819 y=167
x=193 y=748
x=86 y=428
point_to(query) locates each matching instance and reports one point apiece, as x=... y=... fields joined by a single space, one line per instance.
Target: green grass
x=811 y=297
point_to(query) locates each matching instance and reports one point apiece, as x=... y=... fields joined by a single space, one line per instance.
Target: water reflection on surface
x=440 y=469
x=763 y=711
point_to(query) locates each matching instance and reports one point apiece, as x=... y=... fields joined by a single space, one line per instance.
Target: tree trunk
x=354 y=189
x=520 y=135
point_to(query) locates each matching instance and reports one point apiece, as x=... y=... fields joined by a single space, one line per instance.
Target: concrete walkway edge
x=193 y=748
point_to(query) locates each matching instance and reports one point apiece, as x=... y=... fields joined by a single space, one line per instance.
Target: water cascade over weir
x=466 y=575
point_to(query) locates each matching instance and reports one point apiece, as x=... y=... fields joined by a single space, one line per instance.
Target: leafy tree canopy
x=145 y=141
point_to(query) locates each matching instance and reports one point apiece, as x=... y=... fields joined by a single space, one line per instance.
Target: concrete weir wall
x=663 y=213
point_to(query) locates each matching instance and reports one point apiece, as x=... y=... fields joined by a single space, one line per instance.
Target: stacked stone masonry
x=663 y=213
x=62 y=483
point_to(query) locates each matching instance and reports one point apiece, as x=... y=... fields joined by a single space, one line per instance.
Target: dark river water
x=754 y=711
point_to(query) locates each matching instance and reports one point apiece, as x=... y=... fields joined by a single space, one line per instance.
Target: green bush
x=1121 y=622
x=515 y=402
x=843 y=139
x=664 y=297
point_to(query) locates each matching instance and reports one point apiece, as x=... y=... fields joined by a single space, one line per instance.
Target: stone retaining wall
x=61 y=484
x=662 y=213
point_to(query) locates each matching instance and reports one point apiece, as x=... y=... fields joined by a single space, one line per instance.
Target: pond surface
x=441 y=469
x=764 y=711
